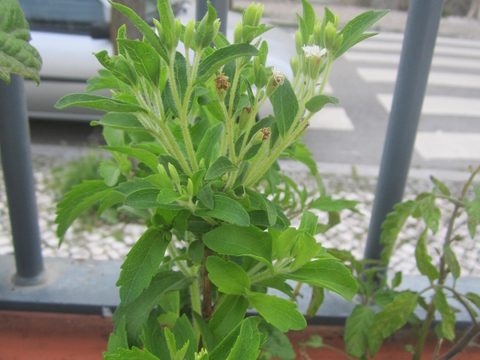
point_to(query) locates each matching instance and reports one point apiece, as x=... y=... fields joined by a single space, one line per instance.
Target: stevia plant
x=366 y=329
x=190 y=155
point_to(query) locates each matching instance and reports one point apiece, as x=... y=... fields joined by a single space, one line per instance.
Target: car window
x=69 y=16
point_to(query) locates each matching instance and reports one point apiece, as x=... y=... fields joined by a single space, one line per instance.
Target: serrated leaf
x=392 y=226
x=277 y=344
x=431 y=213
x=240 y=241
x=228 y=315
x=97 y=102
x=134 y=354
x=326 y=203
x=285 y=107
x=308 y=223
x=281 y=313
x=146 y=30
x=209 y=142
x=16 y=54
x=473 y=211
x=452 y=261
x=139 y=310
x=229 y=277
x=207 y=336
x=265 y=205
x=353 y=31
x=393 y=317
x=327 y=273
x=318 y=295
x=221 y=166
x=141 y=264
x=185 y=338
x=441 y=186
x=78 y=199
x=151 y=160
x=117 y=339
x=226 y=209
x=110 y=172
x=249 y=339
x=305 y=249
x=317 y=102
x=120 y=121
x=357 y=328
x=424 y=261
x=447 y=326
x=221 y=57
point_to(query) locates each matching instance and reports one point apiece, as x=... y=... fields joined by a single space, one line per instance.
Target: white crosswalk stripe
x=331 y=118
x=455 y=65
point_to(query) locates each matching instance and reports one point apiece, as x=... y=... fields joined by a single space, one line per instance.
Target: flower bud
x=252 y=14
x=244 y=116
x=257 y=138
x=337 y=21
x=221 y=86
x=298 y=42
x=277 y=78
x=310 y=40
x=317 y=35
x=161 y=170
x=189 y=34
x=216 y=27
x=337 y=43
x=237 y=33
x=173 y=174
x=330 y=33
x=225 y=178
x=259 y=13
x=259 y=72
x=294 y=65
x=190 y=188
x=201 y=163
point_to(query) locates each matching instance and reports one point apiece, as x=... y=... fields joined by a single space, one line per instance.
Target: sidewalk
x=282 y=13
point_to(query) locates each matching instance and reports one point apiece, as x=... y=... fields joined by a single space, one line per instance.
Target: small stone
x=113 y=255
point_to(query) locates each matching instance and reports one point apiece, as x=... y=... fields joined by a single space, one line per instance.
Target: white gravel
x=114 y=241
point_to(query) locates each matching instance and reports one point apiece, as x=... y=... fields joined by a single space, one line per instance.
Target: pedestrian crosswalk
x=453 y=92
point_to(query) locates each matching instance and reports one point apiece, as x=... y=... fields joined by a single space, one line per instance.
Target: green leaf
x=441 y=186
x=118 y=67
x=302 y=154
x=424 y=263
x=205 y=196
x=357 y=329
x=281 y=313
x=229 y=277
x=146 y=30
x=452 y=261
x=327 y=273
x=474 y=298
x=221 y=166
x=110 y=199
x=305 y=249
x=117 y=339
x=228 y=315
x=318 y=295
x=308 y=223
x=397 y=279
x=153 y=337
x=393 y=317
x=16 y=54
x=141 y=264
x=447 y=326
x=105 y=81
x=167 y=196
x=277 y=344
x=120 y=121
x=227 y=210
x=431 y=213
x=473 y=211
x=207 y=336
x=184 y=336
x=308 y=16
x=97 y=102
x=151 y=160
x=285 y=107
x=392 y=225
x=167 y=21
x=137 y=313
x=248 y=341
x=78 y=199
x=180 y=71
x=134 y=354
x=317 y=102
x=145 y=59
x=326 y=203
x=353 y=31
x=110 y=172
x=240 y=241
x=221 y=57
x=209 y=142
x=302 y=25
x=265 y=205
x=143 y=199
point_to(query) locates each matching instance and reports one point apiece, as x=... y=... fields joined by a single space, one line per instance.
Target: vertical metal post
x=415 y=60
x=18 y=175
x=222 y=11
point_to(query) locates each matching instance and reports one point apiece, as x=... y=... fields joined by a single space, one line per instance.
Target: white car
x=67 y=32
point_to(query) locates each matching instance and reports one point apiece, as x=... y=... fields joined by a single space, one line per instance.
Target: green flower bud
x=298 y=42
x=310 y=40
x=225 y=178
x=337 y=43
x=294 y=65
x=259 y=72
x=206 y=28
x=250 y=14
x=189 y=34
x=259 y=13
x=161 y=170
x=168 y=236
x=173 y=174
x=330 y=33
x=201 y=163
x=244 y=116
x=237 y=33
x=337 y=21
x=190 y=188
x=216 y=27
x=276 y=79
x=317 y=34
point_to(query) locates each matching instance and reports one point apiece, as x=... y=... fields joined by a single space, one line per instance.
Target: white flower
x=313 y=51
x=278 y=76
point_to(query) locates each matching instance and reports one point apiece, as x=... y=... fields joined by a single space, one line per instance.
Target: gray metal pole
x=18 y=175
x=415 y=60
x=222 y=11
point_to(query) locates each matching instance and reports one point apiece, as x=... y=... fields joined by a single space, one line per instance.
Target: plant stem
x=417 y=353
x=207 y=309
x=296 y=291
x=196 y=304
x=463 y=342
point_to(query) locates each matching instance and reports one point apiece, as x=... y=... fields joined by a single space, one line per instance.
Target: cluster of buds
x=221 y=86
x=246 y=30
x=207 y=28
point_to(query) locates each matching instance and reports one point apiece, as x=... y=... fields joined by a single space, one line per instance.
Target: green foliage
x=16 y=54
x=189 y=155
x=357 y=330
